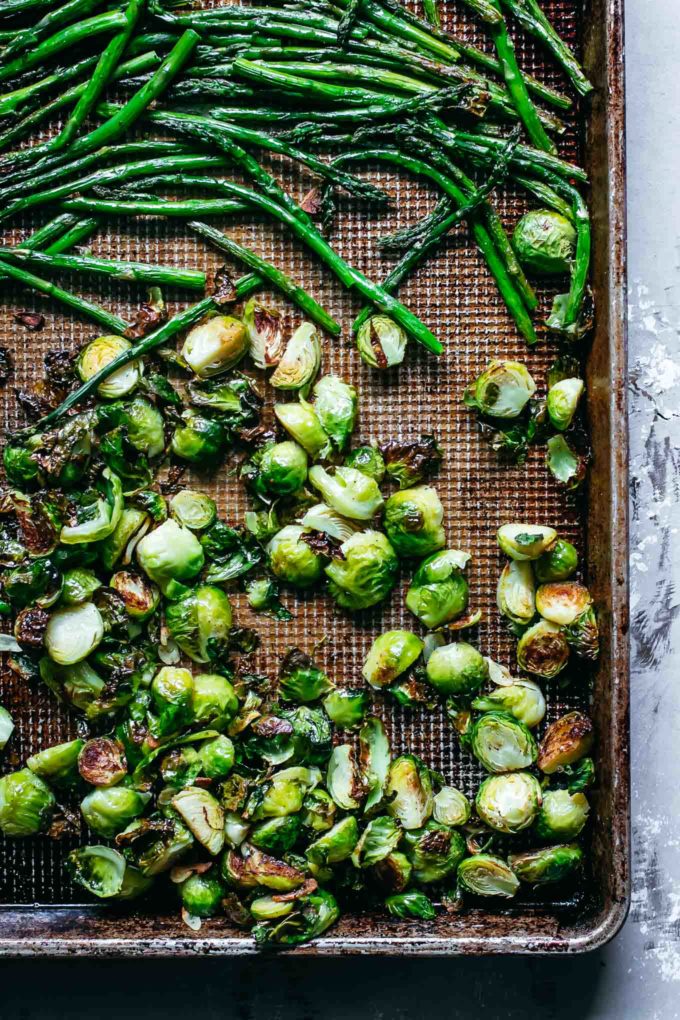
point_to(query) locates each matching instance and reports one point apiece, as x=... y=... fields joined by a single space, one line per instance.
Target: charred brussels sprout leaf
x=485 y=875
x=96 y=512
x=365 y=571
x=37 y=582
x=409 y=463
x=546 y=865
x=300 y=679
x=263 y=597
x=502 y=390
x=412 y=904
x=232 y=552
x=26 y=804
x=375 y=760
x=566 y=465
x=233 y=401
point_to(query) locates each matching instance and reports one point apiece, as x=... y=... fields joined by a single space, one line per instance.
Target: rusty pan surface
x=40 y=911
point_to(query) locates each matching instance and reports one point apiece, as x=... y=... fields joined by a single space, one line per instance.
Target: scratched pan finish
x=43 y=913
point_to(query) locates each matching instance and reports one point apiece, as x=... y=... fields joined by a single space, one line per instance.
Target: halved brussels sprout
x=390 y=655
x=381 y=342
x=557 y=564
x=283 y=468
x=545 y=241
x=457 y=669
x=319 y=810
x=97 y=514
x=409 y=791
x=312 y=915
x=170 y=554
x=343 y=778
x=439 y=590
x=378 y=840
x=105 y=873
x=193 y=509
x=214 y=701
x=547 y=864
x=451 y=807
x=413 y=521
x=156 y=845
x=203 y=816
x=100 y=761
x=375 y=760
x=200 y=622
x=566 y=741
x=79 y=585
x=302 y=423
x=26 y=804
x=346 y=708
x=144 y=427
x=202 y=894
x=543 y=650
x=502 y=390
x=335 y=403
x=521 y=698
x=283 y=794
x=509 y=802
x=525 y=541
x=257 y=868
x=140 y=596
x=264 y=333
x=277 y=835
x=562 y=402
x=73 y=633
x=485 y=875
x=352 y=493
x=6 y=727
x=132 y=525
x=502 y=743
x=434 y=851
x=99 y=353
x=300 y=361
x=411 y=904
x=215 y=345
x=562 y=815
x=328 y=521
x=393 y=872
x=562 y=602
x=516 y=592
x=270 y=908
x=200 y=440
x=369 y=460
x=79 y=685
x=336 y=845
x=108 y=811
x=36 y=583
x=217 y=757
x=292 y=560
x=365 y=572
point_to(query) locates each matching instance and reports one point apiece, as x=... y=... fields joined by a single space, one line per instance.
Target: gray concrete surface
x=637 y=977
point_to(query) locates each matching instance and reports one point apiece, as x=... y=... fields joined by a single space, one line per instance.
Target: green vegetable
x=562 y=815
x=546 y=865
x=502 y=390
x=101 y=352
x=300 y=361
x=485 y=875
x=350 y=492
x=390 y=655
x=545 y=242
x=217 y=757
x=434 y=851
x=169 y=555
x=510 y=802
x=502 y=743
x=335 y=403
x=199 y=622
x=381 y=342
x=451 y=807
x=543 y=650
x=409 y=792
x=73 y=633
x=557 y=564
x=79 y=586
x=380 y=837
x=522 y=699
x=283 y=469
x=302 y=423
x=300 y=679
x=457 y=669
x=336 y=845
x=411 y=904
x=565 y=742
x=438 y=592
x=367 y=459
x=6 y=727
x=108 y=811
x=203 y=816
x=526 y=541
x=215 y=345
x=214 y=702
x=26 y=804
x=516 y=592
x=200 y=440
x=292 y=560
x=202 y=894
x=57 y=765
x=366 y=573
x=562 y=402
x=413 y=521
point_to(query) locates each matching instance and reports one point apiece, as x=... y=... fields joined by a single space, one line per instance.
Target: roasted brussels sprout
x=215 y=345
x=375 y=760
x=409 y=791
x=217 y=757
x=502 y=743
x=311 y=916
x=26 y=804
x=381 y=342
x=346 y=708
x=336 y=845
x=79 y=585
x=170 y=554
x=144 y=427
x=352 y=493
x=6 y=727
x=335 y=403
x=378 y=840
x=140 y=596
x=457 y=669
x=562 y=401
x=199 y=440
x=562 y=815
x=300 y=361
x=545 y=241
x=434 y=851
x=283 y=794
x=516 y=592
x=411 y=461
x=343 y=779
x=564 y=463
x=193 y=509
x=202 y=894
x=390 y=655
x=73 y=633
x=302 y=423
x=485 y=875
x=502 y=390
x=521 y=698
x=270 y=908
x=99 y=353
x=411 y=904
x=525 y=541
x=97 y=512
x=282 y=469
x=121 y=543
x=200 y=622
x=543 y=650
x=557 y=564
x=172 y=690
x=369 y=460
x=438 y=592
x=583 y=635
x=292 y=560
x=509 y=802
x=37 y=582
x=566 y=741
x=264 y=333
x=562 y=602
x=100 y=761
x=364 y=573
x=319 y=810
x=214 y=702
x=276 y=835
x=105 y=873
x=155 y=844
x=546 y=865
x=413 y=521
x=393 y=872
x=263 y=597
x=203 y=816
x=109 y=810
x=451 y=807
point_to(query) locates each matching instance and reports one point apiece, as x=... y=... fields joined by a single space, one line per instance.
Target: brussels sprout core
x=193 y=509
x=215 y=345
x=451 y=806
x=545 y=241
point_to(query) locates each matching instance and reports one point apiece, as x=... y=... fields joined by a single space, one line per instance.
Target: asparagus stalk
x=432 y=13
x=28 y=37
x=80 y=231
x=532 y=19
x=117 y=269
x=11 y=102
x=268 y=272
x=50 y=231
x=188 y=209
